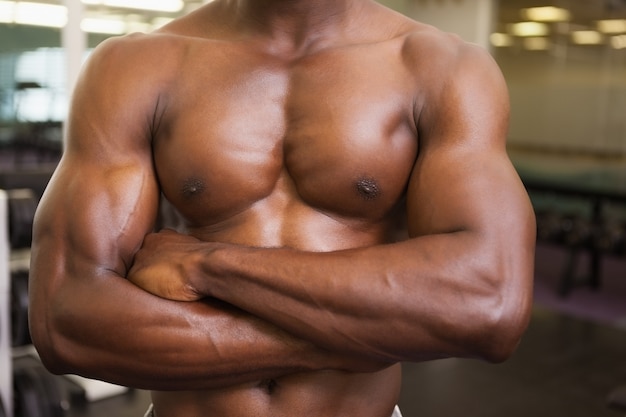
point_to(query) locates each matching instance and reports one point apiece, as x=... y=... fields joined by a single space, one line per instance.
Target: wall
x=470 y=19
x=574 y=103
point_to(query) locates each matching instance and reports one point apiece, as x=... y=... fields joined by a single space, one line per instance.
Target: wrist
x=213 y=269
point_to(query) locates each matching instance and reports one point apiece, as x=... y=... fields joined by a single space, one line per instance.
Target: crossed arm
x=463 y=290
x=460 y=286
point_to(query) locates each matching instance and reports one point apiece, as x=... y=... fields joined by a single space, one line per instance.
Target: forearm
x=429 y=297
x=135 y=339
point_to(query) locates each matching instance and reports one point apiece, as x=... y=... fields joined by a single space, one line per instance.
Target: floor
x=563 y=367
x=607 y=305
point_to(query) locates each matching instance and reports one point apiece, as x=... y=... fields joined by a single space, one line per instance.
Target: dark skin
x=288 y=135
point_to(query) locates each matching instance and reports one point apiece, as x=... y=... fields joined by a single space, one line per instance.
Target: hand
x=165 y=266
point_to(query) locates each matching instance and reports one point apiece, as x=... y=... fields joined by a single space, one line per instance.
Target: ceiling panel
x=582 y=11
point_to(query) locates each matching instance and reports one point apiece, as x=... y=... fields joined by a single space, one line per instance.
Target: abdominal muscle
x=311 y=394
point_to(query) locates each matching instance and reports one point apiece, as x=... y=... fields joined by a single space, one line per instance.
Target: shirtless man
x=288 y=134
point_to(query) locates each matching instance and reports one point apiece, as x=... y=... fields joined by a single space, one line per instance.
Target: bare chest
x=333 y=132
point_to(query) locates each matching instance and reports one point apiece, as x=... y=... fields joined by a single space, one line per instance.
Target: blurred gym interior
x=565 y=65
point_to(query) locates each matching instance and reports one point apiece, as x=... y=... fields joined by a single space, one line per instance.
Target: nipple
x=192 y=187
x=367 y=188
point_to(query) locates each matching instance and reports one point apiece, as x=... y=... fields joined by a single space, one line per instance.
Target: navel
x=367 y=188
x=192 y=187
x=269 y=385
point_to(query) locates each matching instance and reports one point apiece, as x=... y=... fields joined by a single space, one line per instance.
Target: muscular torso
x=312 y=153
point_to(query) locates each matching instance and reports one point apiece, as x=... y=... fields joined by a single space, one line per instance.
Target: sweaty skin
x=289 y=135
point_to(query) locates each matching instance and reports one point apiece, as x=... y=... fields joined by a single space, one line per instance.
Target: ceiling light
x=529 y=29
x=7 y=8
x=501 y=39
x=161 y=21
x=171 y=6
x=587 y=37
x=536 y=44
x=108 y=26
x=36 y=14
x=546 y=14
x=612 y=26
x=618 y=42
x=135 y=26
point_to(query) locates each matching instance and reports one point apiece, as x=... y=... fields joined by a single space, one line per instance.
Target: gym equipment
x=548 y=225
x=37 y=393
x=22 y=207
x=592 y=232
x=32 y=144
x=19 y=309
x=5 y=336
x=33 y=178
x=611 y=238
x=2 y=412
x=617 y=399
x=576 y=231
x=27 y=399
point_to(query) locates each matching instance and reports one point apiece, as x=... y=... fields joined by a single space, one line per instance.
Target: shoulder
x=448 y=71
x=135 y=69
x=136 y=52
x=121 y=86
x=438 y=55
x=435 y=59
x=458 y=87
x=160 y=53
